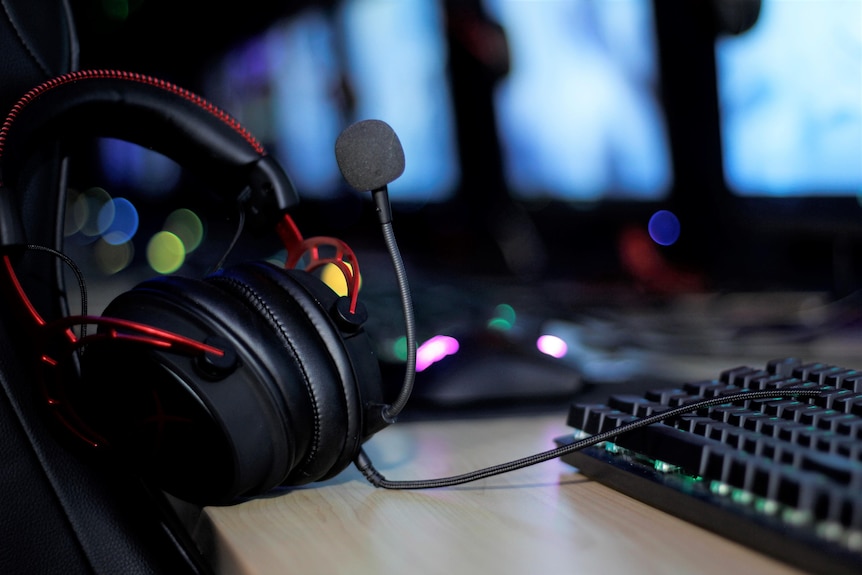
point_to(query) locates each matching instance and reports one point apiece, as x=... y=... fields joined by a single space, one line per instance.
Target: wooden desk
x=546 y=519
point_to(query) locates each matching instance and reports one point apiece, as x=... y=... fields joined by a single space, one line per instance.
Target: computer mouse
x=489 y=368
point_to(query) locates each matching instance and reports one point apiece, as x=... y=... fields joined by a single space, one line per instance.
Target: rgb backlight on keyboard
x=783 y=476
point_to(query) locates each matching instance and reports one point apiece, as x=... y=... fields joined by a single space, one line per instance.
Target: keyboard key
x=850 y=380
x=728 y=375
x=754 y=422
x=850 y=403
x=702 y=388
x=613 y=420
x=783 y=366
x=664 y=396
x=811 y=371
x=828 y=397
x=804 y=492
x=741 y=376
x=768 y=381
x=851 y=428
x=776 y=407
x=840 y=469
x=634 y=404
x=814 y=416
x=670 y=445
x=828 y=375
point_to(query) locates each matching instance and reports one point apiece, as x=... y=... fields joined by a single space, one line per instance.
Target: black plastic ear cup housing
x=298 y=395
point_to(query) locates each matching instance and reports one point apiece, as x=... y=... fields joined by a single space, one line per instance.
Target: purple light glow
x=552 y=345
x=434 y=350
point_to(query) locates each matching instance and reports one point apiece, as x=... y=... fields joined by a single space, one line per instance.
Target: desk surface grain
x=544 y=519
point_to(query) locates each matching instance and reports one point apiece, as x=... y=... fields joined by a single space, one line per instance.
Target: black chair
x=58 y=512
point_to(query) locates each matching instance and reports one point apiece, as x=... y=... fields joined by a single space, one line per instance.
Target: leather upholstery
x=58 y=513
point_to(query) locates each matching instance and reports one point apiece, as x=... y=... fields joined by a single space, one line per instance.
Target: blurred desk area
x=560 y=339
x=543 y=519
x=547 y=518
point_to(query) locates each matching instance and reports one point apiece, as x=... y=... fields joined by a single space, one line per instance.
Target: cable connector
x=366 y=468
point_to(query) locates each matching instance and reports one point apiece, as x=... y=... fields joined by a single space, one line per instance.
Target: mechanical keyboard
x=780 y=475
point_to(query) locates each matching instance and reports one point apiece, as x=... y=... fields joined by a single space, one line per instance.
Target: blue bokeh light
x=118 y=221
x=664 y=227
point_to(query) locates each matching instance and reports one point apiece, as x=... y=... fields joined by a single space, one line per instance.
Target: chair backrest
x=58 y=512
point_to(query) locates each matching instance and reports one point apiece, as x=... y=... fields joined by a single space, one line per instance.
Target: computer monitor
x=301 y=82
x=789 y=106
x=579 y=114
x=790 y=95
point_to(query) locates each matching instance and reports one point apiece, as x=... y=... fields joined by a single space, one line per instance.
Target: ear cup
x=305 y=331
x=285 y=408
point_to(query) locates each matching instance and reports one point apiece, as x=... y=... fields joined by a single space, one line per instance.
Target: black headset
x=217 y=387
x=254 y=376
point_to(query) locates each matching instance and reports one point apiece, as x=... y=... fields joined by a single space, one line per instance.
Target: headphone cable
x=79 y=276
x=240 y=225
x=364 y=465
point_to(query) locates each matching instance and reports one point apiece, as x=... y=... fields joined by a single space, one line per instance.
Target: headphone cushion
x=287 y=414
x=295 y=306
x=256 y=428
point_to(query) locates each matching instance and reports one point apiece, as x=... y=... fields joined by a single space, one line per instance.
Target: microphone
x=370 y=156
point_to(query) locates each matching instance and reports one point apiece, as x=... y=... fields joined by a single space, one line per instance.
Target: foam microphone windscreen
x=369 y=155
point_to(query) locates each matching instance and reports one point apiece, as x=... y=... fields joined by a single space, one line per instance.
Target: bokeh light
x=664 y=228
x=165 y=252
x=399 y=348
x=504 y=317
x=434 y=350
x=186 y=225
x=331 y=275
x=113 y=258
x=117 y=221
x=73 y=216
x=116 y=9
x=552 y=345
x=82 y=216
x=278 y=258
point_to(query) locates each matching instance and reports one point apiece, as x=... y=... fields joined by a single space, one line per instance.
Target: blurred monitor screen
x=579 y=113
x=790 y=97
x=579 y=117
x=299 y=84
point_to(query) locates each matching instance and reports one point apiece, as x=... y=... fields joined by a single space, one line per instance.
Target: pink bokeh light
x=434 y=350
x=552 y=345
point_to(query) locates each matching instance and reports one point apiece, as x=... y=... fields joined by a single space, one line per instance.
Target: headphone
x=217 y=387
x=254 y=376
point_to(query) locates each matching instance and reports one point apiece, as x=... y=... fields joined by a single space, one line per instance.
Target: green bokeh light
x=504 y=317
x=186 y=225
x=399 y=348
x=165 y=252
x=113 y=258
x=83 y=213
